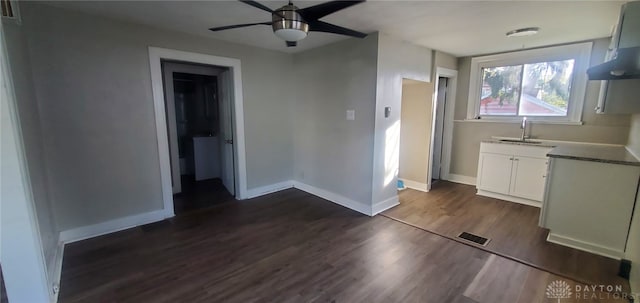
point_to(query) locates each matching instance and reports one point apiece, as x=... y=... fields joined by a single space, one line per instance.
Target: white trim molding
x=384 y=205
x=268 y=189
x=580 y=52
x=461 y=179
x=585 y=246
x=90 y=231
x=156 y=55
x=415 y=185
x=509 y=198
x=360 y=207
x=55 y=272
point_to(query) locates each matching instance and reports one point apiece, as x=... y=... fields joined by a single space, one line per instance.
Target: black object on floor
x=625 y=268
x=474 y=238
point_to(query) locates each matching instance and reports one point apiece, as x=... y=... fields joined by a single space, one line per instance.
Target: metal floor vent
x=474 y=238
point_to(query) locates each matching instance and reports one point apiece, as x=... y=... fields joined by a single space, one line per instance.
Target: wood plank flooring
x=291 y=246
x=450 y=208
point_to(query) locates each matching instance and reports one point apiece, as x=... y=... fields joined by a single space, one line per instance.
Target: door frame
x=447 y=132
x=157 y=54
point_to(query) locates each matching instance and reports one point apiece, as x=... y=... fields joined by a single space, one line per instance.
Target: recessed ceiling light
x=521 y=32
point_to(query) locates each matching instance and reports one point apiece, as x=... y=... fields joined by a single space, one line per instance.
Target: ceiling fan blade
x=261 y=6
x=319 y=26
x=257 y=5
x=318 y=11
x=292 y=43
x=215 y=29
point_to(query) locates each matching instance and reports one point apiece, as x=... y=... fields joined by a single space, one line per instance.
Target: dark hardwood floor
x=200 y=194
x=291 y=246
x=450 y=208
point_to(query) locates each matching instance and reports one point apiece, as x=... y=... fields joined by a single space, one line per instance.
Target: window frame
x=580 y=52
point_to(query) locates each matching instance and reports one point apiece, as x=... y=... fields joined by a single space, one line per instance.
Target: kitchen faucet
x=524 y=128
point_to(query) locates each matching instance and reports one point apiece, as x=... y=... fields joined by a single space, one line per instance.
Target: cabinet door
x=494 y=172
x=528 y=177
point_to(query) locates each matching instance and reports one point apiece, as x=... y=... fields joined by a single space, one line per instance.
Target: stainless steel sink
x=521 y=141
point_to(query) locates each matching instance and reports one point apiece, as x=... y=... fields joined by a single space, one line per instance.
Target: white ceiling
x=461 y=28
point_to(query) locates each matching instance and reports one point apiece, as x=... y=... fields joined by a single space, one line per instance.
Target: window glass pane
x=500 y=90
x=545 y=88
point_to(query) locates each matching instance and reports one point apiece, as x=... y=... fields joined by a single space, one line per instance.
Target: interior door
x=439 y=128
x=495 y=172
x=226 y=131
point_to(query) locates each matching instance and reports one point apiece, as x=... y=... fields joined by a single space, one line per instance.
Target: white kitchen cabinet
x=495 y=172
x=588 y=205
x=512 y=172
x=528 y=177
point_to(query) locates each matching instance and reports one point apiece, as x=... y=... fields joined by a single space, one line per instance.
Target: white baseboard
x=461 y=179
x=415 y=185
x=509 y=198
x=264 y=190
x=585 y=246
x=333 y=197
x=384 y=205
x=90 y=231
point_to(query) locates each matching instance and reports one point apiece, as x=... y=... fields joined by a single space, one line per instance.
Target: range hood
x=625 y=59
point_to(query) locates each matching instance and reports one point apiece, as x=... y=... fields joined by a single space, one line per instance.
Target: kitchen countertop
x=514 y=142
x=595 y=153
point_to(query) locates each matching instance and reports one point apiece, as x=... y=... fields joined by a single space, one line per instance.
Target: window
x=545 y=85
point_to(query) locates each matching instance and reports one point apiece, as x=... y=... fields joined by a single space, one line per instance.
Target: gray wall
x=397 y=60
x=467 y=135
x=93 y=87
x=33 y=138
x=332 y=153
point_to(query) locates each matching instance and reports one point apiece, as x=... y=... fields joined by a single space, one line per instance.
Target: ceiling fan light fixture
x=290 y=34
x=522 y=32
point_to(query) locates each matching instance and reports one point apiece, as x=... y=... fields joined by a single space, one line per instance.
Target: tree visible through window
x=535 y=89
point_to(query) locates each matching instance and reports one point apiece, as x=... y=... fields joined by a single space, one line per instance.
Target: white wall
x=633 y=241
x=92 y=83
x=32 y=138
x=331 y=153
x=21 y=250
x=396 y=60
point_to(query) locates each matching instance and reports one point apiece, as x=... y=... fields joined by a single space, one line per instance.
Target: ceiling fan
x=292 y=24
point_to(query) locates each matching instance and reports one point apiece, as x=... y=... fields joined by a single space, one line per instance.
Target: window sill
x=519 y=121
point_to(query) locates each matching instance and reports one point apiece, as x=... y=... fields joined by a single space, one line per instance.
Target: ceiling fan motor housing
x=292 y=27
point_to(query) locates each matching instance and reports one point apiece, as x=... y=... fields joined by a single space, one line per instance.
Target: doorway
x=438 y=128
x=442 y=125
x=199 y=134
x=220 y=78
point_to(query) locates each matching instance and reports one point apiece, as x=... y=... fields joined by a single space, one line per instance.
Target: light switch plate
x=351 y=114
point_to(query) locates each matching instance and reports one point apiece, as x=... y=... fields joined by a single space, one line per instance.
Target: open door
x=226 y=131
x=439 y=128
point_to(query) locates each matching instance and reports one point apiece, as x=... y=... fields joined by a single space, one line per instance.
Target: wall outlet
x=351 y=114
